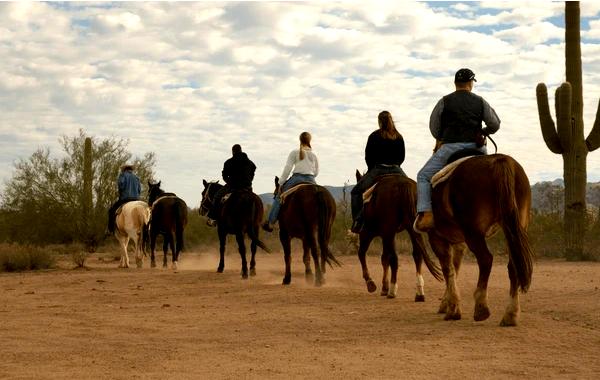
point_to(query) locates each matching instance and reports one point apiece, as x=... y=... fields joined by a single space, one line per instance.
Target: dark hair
x=305 y=138
x=236 y=149
x=387 y=129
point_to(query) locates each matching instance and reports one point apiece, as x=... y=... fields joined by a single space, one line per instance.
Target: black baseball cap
x=464 y=75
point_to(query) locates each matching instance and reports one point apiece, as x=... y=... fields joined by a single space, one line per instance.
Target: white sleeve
x=316 y=166
x=288 y=167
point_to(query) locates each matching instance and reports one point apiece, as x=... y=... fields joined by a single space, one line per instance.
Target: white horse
x=131 y=220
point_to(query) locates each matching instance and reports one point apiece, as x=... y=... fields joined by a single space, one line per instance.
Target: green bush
x=14 y=258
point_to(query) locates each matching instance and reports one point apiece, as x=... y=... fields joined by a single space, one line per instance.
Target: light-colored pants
x=433 y=165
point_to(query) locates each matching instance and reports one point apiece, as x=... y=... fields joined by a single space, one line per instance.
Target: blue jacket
x=129 y=185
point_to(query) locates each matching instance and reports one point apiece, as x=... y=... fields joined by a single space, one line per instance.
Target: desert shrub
x=14 y=258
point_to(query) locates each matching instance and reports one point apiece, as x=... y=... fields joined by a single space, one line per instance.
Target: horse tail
x=325 y=216
x=180 y=212
x=408 y=193
x=519 y=250
x=253 y=227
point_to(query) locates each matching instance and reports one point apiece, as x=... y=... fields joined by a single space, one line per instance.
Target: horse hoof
x=454 y=315
x=244 y=276
x=252 y=272
x=175 y=265
x=482 y=313
x=391 y=295
x=508 y=321
x=219 y=270
x=287 y=280
x=443 y=308
x=309 y=278
x=371 y=287
x=419 y=298
x=153 y=265
x=384 y=292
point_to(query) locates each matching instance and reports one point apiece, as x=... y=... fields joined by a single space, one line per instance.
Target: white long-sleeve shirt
x=309 y=165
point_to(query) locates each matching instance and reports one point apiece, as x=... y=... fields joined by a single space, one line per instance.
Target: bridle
x=207 y=199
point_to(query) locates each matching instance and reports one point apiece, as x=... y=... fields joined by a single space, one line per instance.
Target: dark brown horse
x=168 y=218
x=483 y=195
x=239 y=215
x=307 y=214
x=392 y=210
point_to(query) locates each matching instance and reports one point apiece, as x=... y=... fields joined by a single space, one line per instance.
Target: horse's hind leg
x=124 y=263
x=417 y=254
x=152 y=247
x=385 y=282
x=484 y=257
x=253 y=247
x=308 y=274
x=222 y=240
x=511 y=315
x=139 y=250
x=319 y=277
x=365 y=240
x=239 y=237
x=167 y=240
x=451 y=301
x=389 y=250
x=287 y=255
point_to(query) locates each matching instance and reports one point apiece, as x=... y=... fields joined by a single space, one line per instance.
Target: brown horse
x=392 y=210
x=483 y=194
x=307 y=214
x=168 y=218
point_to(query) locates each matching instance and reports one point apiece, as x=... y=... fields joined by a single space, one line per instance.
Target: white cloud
x=188 y=80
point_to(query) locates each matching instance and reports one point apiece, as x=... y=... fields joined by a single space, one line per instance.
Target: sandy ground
x=147 y=323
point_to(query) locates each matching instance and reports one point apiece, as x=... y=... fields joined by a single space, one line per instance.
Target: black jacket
x=238 y=171
x=384 y=151
x=462 y=117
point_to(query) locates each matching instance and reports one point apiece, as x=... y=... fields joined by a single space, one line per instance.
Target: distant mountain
x=546 y=196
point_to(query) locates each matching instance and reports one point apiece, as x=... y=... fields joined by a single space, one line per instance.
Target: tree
x=44 y=200
x=567 y=138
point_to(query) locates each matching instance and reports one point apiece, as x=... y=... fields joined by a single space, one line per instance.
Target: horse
x=392 y=209
x=131 y=223
x=168 y=218
x=307 y=213
x=239 y=215
x=483 y=195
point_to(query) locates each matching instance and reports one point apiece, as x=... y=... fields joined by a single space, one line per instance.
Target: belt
x=388 y=165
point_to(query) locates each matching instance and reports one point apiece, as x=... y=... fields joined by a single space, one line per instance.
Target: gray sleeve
x=435 y=120
x=490 y=118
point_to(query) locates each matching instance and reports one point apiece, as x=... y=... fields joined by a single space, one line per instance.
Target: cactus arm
x=546 y=122
x=593 y=139
x=564 y=126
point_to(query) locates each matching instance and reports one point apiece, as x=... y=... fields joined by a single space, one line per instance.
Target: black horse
x=239 y=215
x=168 y=218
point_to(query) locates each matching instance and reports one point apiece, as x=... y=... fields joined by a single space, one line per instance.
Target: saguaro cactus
x=567 y=138
x=86 y=198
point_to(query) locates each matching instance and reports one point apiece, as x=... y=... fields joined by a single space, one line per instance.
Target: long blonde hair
x=387 y=129
x=305 y=138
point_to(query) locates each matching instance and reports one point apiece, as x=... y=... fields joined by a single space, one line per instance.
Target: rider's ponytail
x=305 y=138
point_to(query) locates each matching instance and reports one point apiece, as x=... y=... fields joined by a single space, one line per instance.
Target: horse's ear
x=149 y=184
x=204 y=183
x=276 y=180
x=158 y=184
x=358 y=175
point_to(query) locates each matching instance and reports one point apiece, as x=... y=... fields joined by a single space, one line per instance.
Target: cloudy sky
x=188 y=80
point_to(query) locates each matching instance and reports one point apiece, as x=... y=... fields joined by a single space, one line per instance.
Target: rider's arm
x=288 y=166
x=490 y=118
x=435 y=120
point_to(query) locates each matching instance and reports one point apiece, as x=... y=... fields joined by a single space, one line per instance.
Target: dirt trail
x=122 y=324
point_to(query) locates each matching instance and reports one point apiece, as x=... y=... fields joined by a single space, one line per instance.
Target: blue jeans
x=294 y=180
x=434 y=165
x=368 y=180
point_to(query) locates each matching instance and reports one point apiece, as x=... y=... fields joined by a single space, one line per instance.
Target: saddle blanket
x=288 y=192
x=368 y=194
x=447 y=171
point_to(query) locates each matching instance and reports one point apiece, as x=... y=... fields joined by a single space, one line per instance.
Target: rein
x=493 y=142
x=207 y=198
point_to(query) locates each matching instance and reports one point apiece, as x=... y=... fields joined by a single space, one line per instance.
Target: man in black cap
x=238 y=173
x=456 y=124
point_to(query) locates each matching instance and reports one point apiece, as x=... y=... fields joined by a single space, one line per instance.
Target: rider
x=304 y=166
x=456 y=125
x=384 y=154
x=238 y=173
x=129 y=190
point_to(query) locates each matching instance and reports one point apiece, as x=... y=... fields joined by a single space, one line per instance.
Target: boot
x=424 y=221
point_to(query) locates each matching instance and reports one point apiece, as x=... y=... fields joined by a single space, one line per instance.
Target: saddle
x=293 y=189
x=368 y=194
